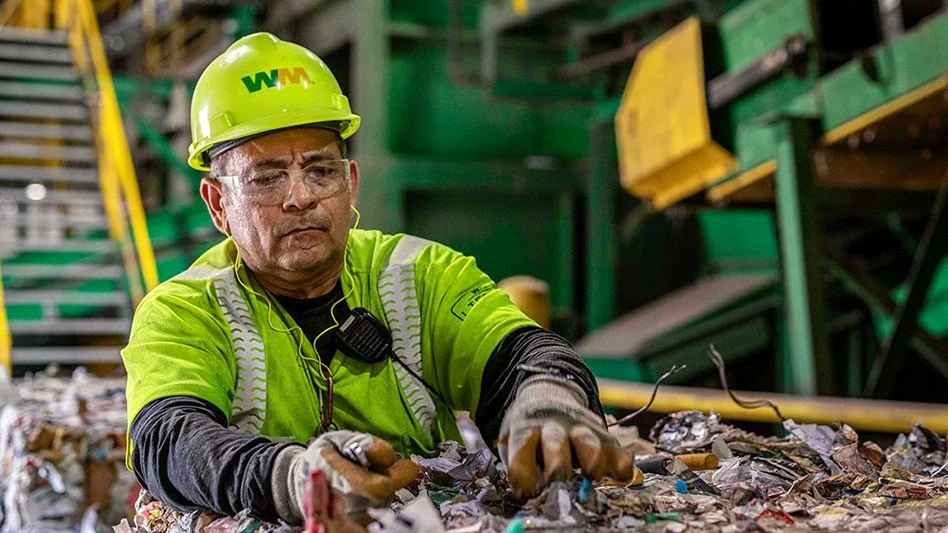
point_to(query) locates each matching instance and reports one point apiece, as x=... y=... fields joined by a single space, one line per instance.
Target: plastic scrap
x=584 y=488
x=57 y=432
x=62 y=445
x=419 y=516
x=445 y=470
x=685 y=431
x=681 y=487
x=817 y=478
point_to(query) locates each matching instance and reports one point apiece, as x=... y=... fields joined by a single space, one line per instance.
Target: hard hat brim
x=345 y=123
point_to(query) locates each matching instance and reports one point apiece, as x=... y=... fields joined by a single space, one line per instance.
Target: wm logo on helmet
x=274 y=78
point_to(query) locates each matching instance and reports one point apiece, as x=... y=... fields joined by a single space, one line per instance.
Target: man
x=281 y=332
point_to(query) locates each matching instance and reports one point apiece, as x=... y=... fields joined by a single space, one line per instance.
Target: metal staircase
x=63 y=276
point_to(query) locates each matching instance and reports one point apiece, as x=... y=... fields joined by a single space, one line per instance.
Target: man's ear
x=213 y=198
x=353 y=181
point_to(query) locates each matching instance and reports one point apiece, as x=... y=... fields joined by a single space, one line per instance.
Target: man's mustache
x=309 y=221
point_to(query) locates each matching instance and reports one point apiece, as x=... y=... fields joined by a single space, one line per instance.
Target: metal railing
x=122 y=199
x=6 y=343
x=118 y=183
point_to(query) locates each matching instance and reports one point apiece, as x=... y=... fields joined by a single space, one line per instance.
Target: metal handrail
x=119 y=186
x=116 y=169
x=7 y=10
x=6 y=343
x=117 y=179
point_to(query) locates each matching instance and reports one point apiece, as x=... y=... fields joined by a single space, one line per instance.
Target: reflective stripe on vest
x=400 y=303
x=250 y=396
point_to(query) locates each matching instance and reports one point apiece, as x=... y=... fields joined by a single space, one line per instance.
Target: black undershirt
x=313 y=317
x=186 y=456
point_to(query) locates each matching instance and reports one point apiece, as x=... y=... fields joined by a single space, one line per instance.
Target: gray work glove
x=363 y=468
x=551 y=413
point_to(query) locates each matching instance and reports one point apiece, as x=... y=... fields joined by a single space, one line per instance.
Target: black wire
x=419 y=378
x=674 y=370
x=718 y=361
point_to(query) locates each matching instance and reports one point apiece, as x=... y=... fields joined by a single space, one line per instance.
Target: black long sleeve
x=189 y=460
x=535 y=347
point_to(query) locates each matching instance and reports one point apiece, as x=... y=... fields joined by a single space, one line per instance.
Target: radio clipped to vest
x=364 y=337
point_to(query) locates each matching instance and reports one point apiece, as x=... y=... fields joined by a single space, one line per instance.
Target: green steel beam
x=808 y=361
x=371 y=51
x=600 y=217
x=878 y=298
x=370 y=63
x=363 y=25
x=931 y=250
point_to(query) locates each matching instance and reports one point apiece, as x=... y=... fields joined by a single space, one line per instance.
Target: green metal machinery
x=838 y=136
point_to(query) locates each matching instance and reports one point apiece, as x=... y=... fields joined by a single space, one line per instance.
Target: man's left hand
x=550 y=413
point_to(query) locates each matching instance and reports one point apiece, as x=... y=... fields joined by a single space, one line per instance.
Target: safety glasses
x=271 y=186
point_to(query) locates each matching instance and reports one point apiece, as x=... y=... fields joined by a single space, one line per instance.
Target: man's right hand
x=363 y=468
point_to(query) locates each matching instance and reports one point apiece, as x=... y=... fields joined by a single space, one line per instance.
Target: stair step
x=34 y=110
x=65 y=245
x=49 y=152
x=31 y=130
x=93 y=198
x=14 y=296
x=35 y=52
x=71 y=272
x=61 y=174
x=28 y=36
x=65 y=355
x=35 y=71
x=67 y=221
x=41 y=91
x=71 y=326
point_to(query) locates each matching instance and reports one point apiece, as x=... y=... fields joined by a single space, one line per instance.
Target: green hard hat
x=263 y=84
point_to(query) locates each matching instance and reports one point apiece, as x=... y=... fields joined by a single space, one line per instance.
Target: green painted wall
x=432 y=115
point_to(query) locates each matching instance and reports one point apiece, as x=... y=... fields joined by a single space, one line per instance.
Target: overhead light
x=35 y=192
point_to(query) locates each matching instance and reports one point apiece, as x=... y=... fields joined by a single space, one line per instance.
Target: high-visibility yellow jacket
x=213 y=332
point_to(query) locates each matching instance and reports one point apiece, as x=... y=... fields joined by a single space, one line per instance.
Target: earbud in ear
x=224 y=222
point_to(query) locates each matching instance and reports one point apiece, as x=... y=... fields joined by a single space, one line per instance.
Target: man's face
x=300 y=234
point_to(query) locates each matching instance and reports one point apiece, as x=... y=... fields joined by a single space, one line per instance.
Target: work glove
x=364 y=469
x=550 y=413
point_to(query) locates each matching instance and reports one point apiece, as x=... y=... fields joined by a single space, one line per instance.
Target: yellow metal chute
x=663 y=132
